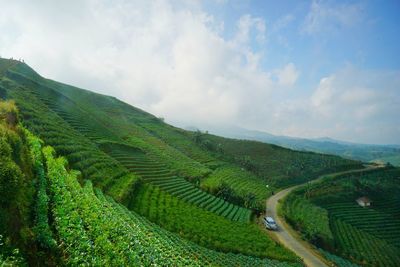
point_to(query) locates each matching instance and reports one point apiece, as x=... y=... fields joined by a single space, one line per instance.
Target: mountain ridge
x=358 y=151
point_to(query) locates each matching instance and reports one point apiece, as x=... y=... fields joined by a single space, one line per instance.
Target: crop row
x=241 y=181
x=363 y=246
x=338 y=261
x=95 y=230
x=202 y=227
x=159 y=174
x=180 y=140
x=83 y=154
x=279 y=166
x=42 y=227
x=377 y=223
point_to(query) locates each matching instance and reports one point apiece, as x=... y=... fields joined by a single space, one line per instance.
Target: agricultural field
x=204 y=228
x=160 y=175
x=118 y=236
x=368 y=236
x=274 y=165
x=183 y=188
x=249 y=190
x=87 y=222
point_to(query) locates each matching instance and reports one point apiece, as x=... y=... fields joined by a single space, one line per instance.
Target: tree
x=197 y=137
x=225 y=192
x=249 y=201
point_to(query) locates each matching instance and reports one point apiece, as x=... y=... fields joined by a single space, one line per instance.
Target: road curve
x=285 y=234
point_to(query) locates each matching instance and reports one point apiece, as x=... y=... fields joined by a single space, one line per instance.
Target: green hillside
x=356 y=151
x=186 y=190
x=328 y=215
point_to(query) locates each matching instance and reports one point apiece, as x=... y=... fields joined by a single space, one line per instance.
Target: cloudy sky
x=297 y=68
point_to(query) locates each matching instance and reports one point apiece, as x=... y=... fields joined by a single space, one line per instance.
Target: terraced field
x=241 y=181
x=158 y=174
x=204 y=228
x=373 y=221
x=338 y=261
x=113 y=235
x=371 y=234
x=368 y=236
x=84 y=155
x=183 y=142
x=78 y=119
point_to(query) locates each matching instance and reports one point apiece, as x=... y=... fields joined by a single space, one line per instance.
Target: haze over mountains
x=365 y=152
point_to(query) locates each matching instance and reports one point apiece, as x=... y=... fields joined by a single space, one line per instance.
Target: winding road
x=287 y=236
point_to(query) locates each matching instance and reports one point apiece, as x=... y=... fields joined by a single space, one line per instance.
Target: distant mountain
x=364 y=152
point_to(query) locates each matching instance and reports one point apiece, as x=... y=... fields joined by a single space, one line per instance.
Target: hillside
x=327 y=214
x=198 y=191
x=363 y=152
x=83 y=220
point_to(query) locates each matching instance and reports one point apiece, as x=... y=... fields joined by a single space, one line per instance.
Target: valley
x=98 y=182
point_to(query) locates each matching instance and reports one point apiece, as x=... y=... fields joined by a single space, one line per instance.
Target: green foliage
x=205 y=228
x=312 y=221
x=81 y=125
x=16 y=195
x=10 y=180
x=10 y=256
x=338 y=261
x=9 y=112
x=89 y=224
x=275 y=165
x=249 y=190
x=160 y=175
x=94 y=164
x=11 y=153
x=369 y=236
x=42 y=227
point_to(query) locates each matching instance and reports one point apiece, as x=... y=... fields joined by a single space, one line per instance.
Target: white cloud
x=288 y=75
x=325 y=17
x=173 y=61
x=247 y=23
x=167 y=58
x=355 y=105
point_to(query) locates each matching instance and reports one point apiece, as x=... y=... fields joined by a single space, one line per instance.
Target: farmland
x=367 y=236
x=120 y=175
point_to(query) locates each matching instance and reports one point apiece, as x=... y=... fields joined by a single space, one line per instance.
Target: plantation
x=111 y=234
x=88 y=223
x=368 y=236
x=274 y=165
x=143 y=193
x=204 y=228
x=248 y=189
x=158 y=174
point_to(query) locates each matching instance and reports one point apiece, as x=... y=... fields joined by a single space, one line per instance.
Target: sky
x=298 y=68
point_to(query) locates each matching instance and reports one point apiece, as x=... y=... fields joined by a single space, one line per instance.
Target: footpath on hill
x=287 y=236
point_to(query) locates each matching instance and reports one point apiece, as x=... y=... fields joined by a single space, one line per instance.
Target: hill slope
x=205 y=188
x=363 y=152
x=78 y=225
x=328 y=215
